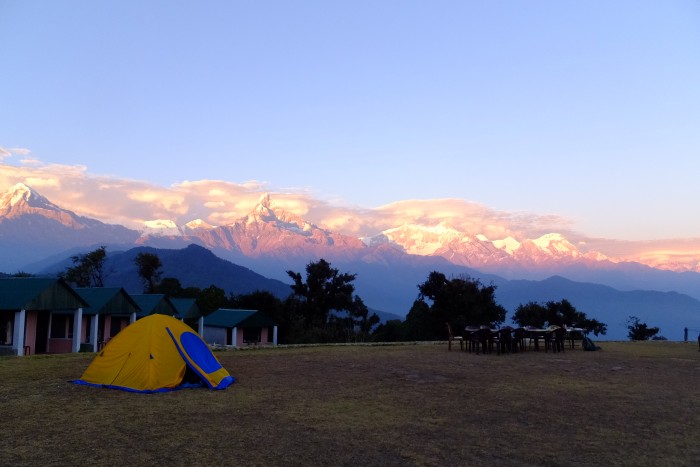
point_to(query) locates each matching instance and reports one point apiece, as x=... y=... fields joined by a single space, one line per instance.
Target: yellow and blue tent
x=157 y=353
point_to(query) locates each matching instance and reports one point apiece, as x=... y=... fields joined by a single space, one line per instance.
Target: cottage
x=111 y=310
x=189 y=312
x=239 y=327
x=31 y=319
x=154 y=303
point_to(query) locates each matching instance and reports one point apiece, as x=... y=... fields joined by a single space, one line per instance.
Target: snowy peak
x=508 y=244
x=198 y=224
x=22 y=198
x=440 y=240
x=161 y=228
x=418 y=239
x=556 y=245
x=267 y=212
x=477 y=250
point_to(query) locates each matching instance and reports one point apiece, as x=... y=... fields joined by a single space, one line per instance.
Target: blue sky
x=579 y=109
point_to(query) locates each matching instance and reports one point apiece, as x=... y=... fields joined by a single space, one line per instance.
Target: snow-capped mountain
x=32 y=228
x=197 y=224
x=161 y=228
x=269 y=230
x=21 y=201
x=477 y=250
x=271 y=240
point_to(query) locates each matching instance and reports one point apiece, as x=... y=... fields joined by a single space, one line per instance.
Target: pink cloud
x=218 y=202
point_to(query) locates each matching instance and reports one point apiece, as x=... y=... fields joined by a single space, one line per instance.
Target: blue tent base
x=154 y=391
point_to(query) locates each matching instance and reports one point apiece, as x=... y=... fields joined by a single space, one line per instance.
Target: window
x=251 y=335
x=61 y=327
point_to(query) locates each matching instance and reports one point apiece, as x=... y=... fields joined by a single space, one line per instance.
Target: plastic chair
x=451 y=337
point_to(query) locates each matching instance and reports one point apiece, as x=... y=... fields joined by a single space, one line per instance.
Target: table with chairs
x=484 y=339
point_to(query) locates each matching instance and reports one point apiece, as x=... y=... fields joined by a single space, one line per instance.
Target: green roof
x=187 y=308
x=108 y=300
x=154 y=303
x=38 y=294
x=228 y=318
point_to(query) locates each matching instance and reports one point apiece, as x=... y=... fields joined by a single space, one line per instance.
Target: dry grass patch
x=629 y=404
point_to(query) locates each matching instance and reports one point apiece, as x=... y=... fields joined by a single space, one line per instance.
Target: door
x=42 y=332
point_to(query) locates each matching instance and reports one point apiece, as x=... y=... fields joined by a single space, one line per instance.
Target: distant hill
x=670 y=311
x=193 y=266
x=36 y=234
x=390 y=286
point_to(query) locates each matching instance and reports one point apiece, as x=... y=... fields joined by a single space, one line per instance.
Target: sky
x=530 y=116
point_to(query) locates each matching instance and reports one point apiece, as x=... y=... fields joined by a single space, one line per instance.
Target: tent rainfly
x=157 y=353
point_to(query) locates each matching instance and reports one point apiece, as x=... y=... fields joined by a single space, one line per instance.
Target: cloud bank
x=218 y=202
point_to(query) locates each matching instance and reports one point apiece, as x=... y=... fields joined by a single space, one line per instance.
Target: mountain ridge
x=271 y=240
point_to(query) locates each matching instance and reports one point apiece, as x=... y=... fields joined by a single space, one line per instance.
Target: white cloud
x=42 y=182
x=9 y=152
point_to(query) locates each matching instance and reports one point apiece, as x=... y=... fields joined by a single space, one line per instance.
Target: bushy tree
x=459 y=301
x=639 y=331
x=326 y=305
x=171 y=287
x=556 y=313
x=531 y=314
x=149 y=268
x=421 y=323
x=88 y=269
x=22 y=274
x=211 y=299
x=324 y=290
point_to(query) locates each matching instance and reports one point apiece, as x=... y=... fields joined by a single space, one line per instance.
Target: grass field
x=629 y=404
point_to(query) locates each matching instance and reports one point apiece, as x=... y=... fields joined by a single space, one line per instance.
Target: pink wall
x=30 y=333
x=60 y=345
x=239 y=338
x=84 y=330
x=108 y=326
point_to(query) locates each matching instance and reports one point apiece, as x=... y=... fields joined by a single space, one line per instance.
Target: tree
x=324 y=290
x=639 y=331
x=391 y=331
x=553 y=313
x=22 y=274
x=531 y=314
x=171 y=287
x=421 y=323
x=88 y=269
x=323 y=307
x=149 y=270
x=211 y=299
x=459 y=301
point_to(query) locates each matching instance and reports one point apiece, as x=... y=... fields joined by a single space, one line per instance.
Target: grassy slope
x=631 y=403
